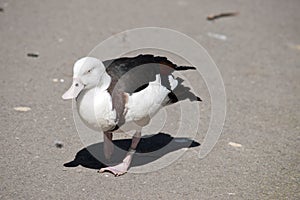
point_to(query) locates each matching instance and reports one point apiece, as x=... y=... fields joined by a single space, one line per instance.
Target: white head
x=88 y=72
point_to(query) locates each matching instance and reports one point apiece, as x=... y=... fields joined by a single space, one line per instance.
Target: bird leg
x=108 y=146
x=122 y=168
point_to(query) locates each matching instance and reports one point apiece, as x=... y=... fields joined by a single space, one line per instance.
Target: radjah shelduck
x=129 y=90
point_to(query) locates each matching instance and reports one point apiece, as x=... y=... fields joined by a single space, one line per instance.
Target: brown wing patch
x=126 y=99
x=166 y=67
x=119 y=100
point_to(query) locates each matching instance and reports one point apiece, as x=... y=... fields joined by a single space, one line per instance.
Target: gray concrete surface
x=259 y=63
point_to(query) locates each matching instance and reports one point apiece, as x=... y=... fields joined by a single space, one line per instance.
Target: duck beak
x=74 y=90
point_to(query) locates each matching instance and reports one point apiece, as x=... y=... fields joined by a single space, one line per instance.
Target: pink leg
x=122 y=168
x=108 y=146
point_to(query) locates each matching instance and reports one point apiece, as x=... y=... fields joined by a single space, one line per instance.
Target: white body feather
x=95 y=105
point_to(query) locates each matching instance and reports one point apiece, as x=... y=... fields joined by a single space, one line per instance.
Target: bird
x=129 y=90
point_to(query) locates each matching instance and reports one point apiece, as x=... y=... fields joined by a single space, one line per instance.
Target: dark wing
x=133 y=74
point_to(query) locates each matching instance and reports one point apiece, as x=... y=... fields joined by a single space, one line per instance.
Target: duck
x=111 y=94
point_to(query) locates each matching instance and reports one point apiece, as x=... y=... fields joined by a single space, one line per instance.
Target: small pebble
x=55 y=80
x=58 y=144
x=217 y=36
x=234 y=144
x=296 y=46
x=34 y=55
x=22 y=109
x=62 y=80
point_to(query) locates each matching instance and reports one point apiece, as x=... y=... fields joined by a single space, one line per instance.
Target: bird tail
x=181 y=68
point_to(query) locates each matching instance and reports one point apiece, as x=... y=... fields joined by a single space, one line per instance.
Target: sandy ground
x=259 y=63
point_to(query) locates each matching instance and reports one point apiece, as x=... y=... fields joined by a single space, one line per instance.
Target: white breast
x=95 y=109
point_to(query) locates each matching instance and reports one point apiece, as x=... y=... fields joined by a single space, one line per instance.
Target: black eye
x=76 y=84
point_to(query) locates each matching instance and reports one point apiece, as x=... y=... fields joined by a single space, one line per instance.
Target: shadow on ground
x=149 y=149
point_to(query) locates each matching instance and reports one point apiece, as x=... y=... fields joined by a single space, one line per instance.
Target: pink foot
x=117 y=170
x=121 y=168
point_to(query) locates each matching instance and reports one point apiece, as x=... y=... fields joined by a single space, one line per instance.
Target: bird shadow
x=149 y=149
x=183 y=92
